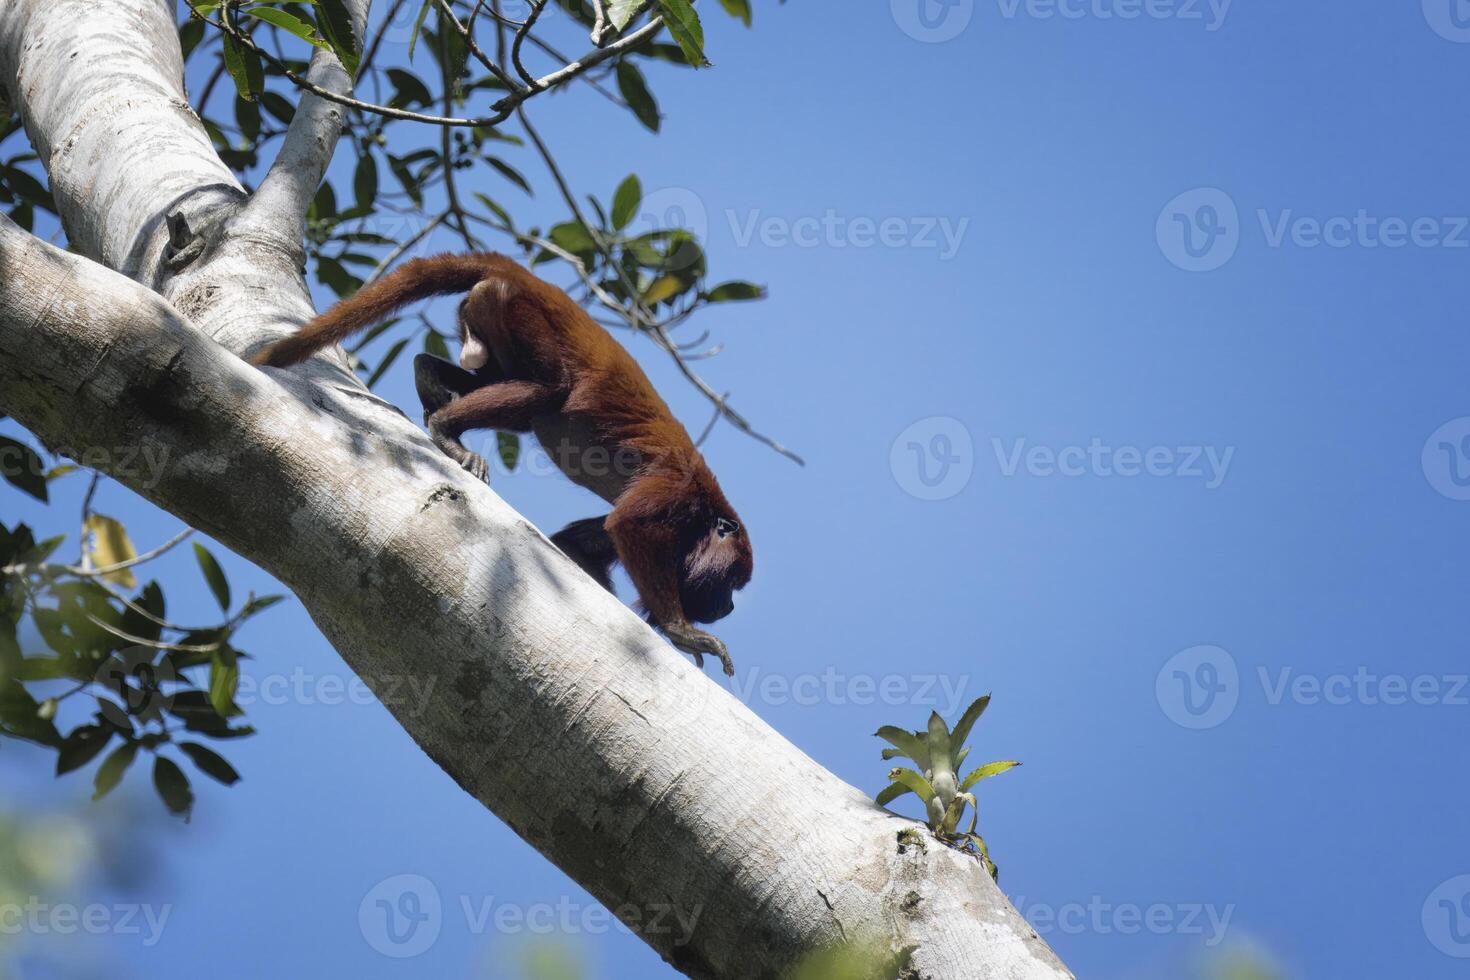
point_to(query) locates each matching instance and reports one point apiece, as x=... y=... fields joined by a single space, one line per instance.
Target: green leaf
x=247 y=115
x=625 y=202
x=735 y=292
x=290 y=23
x=191 y=32
x=214 y=575
x=496 y=210
x=82 y=746
x=913 y=781
x=959 y=757
x=173 y=786
x=572 y=236
x=508 y=446
x=115 y=715
x=110 y=773
x=434 y=344
x=967 y=721
x=621 y=12
x=634 y=89
x=986 y=771
x=684 y=24
x=27 y=187
x=279 y=106
x=956 y=811
x=418 y=26
x=335 y=24
x=984 y=850
x=940 y=759
x=511 y=174
x=908 y=743
x=409 y=87
x=737 y=8
x=260 y=605
x=892 y=792
x=22 y=468
x=244 y=68
x=210 y=763
x=23 y=717
x=387 y=361
x=365 y=181
x=224 y=680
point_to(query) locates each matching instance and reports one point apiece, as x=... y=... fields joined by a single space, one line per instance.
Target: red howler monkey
x=534 y=361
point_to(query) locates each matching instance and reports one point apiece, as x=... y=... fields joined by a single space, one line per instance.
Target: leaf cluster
x=940 y=753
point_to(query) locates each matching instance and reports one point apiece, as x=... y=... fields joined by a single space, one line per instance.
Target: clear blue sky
x=1294 y=512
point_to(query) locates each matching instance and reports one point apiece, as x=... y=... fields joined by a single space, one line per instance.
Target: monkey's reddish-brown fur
x=553 y=370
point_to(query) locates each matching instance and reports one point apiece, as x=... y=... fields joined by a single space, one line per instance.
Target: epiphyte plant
x=939 y=753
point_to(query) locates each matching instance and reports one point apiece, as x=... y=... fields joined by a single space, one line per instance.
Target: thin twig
x=710 y=425
x=372 y=48
x=645 y=316
x=447 y=12
x=405 y=245
x=502 y=109
x=83 y=558
x=131 y=562
x=515 y=50
x=155 y=644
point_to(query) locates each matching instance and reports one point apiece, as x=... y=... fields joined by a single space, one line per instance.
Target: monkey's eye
x=724 y=528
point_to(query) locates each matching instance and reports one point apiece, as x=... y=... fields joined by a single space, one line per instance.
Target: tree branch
x=669 y=793
x=279 y=203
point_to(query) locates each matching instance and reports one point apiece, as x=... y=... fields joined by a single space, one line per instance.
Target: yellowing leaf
x=662 y=289
x=108 y=544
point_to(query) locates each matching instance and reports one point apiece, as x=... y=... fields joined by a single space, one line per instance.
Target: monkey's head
x=719 y=564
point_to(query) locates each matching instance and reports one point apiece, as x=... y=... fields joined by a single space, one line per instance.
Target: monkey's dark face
x=719 y=565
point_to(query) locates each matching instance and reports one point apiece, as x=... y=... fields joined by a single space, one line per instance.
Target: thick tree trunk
x=553 y=704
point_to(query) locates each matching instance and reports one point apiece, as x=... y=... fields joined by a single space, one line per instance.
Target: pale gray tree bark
x=553 y=704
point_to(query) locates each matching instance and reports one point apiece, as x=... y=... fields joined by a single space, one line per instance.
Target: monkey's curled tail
x=435 y=275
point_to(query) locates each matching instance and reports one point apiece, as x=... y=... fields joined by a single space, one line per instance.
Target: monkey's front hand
x=472 y=463
x=476 y=466
x=698 y=642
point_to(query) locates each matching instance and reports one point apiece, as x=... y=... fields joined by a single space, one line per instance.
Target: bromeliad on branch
x=940 y=752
